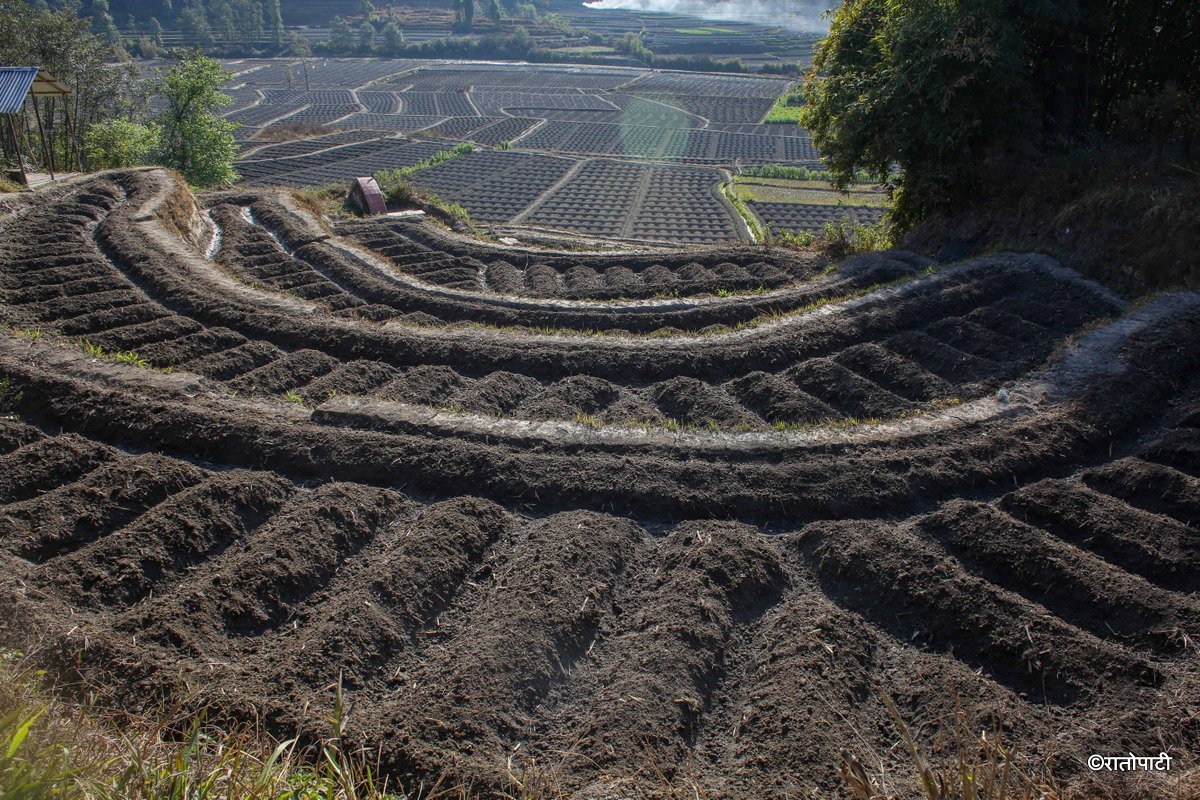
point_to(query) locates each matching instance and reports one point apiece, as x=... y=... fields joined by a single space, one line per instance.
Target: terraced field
x=672 y=132
x=668 y=546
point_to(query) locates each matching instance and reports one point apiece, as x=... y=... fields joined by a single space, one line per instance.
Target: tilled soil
x=809 y=510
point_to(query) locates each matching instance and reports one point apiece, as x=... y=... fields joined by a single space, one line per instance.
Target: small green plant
x=10 y=398
x=29 y=333
x=797 y=239
x=504 y=144
x=591 y=420
x=292 y=396
x=121 y=357
x=387 y=177
x=399 y=192
x=23 y=771
x=131 y=358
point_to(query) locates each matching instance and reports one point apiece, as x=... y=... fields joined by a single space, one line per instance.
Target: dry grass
x=292 y=131
x=983 y=765
x=322 y=202
x=76 y=749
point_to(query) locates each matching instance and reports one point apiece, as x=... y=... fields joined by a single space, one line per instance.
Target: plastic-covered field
x=558 y=118
x=494 y=185
x=525 y=544
x=636 y=201
x=680 y=144
x=812 y=217
x=334 y=160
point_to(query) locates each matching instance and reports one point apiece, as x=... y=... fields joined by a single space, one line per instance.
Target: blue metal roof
x=15 y=83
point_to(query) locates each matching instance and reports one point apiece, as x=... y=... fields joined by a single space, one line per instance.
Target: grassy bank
x=51 y=747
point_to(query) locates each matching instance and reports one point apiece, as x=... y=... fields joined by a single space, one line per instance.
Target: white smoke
x=796 y=15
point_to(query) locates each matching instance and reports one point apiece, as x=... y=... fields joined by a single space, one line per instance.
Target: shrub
x=119 y=143
x=844 y=238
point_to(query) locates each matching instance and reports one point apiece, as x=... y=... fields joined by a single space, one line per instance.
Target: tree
x=464 y=15
x=631 y=44
x=194 y=139
x=365 y=35
x=156 y=32
x=341 y=37
x=62 y=43
x=248 y=19
x=193 y=24
x=298 y=46
x=941 y=87
x=223 y=20
x=275 y=23
x=494 y=12
x=119 y=143
x=103 y=23
x=147 y=48
x=393 y=39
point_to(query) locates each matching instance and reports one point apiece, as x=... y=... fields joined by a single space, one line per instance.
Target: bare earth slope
x=541 y=520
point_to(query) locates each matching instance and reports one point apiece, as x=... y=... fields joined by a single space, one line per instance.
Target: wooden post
x=71 y=133
x=12 y=132
x=46 y=154
x=25 y=135
x=51 y=129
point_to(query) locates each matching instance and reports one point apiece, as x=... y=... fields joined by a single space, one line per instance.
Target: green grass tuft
x=121 y=357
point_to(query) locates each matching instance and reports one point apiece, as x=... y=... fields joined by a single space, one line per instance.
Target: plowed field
x=648 y=524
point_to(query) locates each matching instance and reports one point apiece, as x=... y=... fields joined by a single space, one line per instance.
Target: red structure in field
x=366 y=197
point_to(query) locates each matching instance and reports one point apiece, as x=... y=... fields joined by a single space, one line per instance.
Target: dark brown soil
x=616 y=611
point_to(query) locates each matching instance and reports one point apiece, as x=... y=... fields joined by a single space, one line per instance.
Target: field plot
x=483 y=130
x=302 y=147
x=398 y=123
x=669 y=144
x=494 y=186
x=738 y=110
x=435 y=76
x=698 y=83
x=812 y=217
x=335 y=163
x=636 y=201
x=827 y=500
